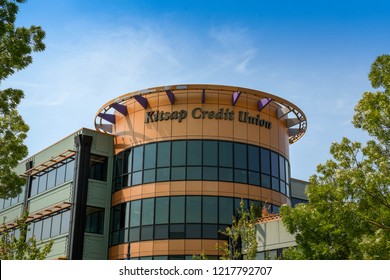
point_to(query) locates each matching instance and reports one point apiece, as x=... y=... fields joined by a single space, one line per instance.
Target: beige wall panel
x=193 y=246
x=151 y=131
x=163 y=99
x=194 y=126
x=225 y=99
x=240 y=190
x=209 y=247
x=163 y=189
x=181 y=97
x=210 y=188
x=225 y=127
x=194 y=97
x=176 y=247
x=161 y=247
x=274 y=139
x=179 y=129
x=254 y=192
x=194 y=187
x=226 y=189
x=212 y=97
x=146 y=248
x=210 y=126
x=139 y=127
x=240 y=129
x=178 y=188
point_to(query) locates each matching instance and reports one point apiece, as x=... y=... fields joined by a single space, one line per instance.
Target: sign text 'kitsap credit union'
x=199 y=113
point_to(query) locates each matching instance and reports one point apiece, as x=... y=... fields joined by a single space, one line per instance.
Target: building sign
x=199 y=113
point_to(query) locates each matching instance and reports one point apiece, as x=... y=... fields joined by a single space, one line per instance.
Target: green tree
x=348 y=213
x=16 y=47
x=21 y=248
x=242 y=242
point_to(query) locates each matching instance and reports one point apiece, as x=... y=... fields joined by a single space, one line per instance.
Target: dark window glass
x=95 y=219
x=240 y=158
x=176 y=231
x=210 y=150
x=210 y=231
x=42 y=183
x=51 y=179
x=194 y=173
x=149 y=176
x=178 y=173
x=194 y=152
x=38 y=230
x=127 y=180
x=135 y=213
x=222 y=228
x=194 y=209
x=61 y=174
x=282 y=187
x=225 y=210
x=46 y=228
x=254 y=158
x=163 y=174
x=265 y=181
x=118 y=183
x=287 y=166
x=193 y=231
x=147 y=211
x=226 y=154
x=210 y=173
x=177 y=209
x=118 y=164
x=123 y=236
x=116 y=218
x=178 y=153
x=282 y=168
x=56 y=225
x=127 y=161
x=137 y=178
x=161 y=232
x=150 y=156
x=210 y=209
x=69 y=170
x=275 y=184
x=265 y=161
x=34 y=186
x=274 y=164
x=240 y=176
x=134 y=234
x=163 y=154
x=65 y=222
x=98 y=168
x=288 y=190
x=254 y=178
x=138 y=158
x=162 y=210
x=115 y=238
x=226 y=174
x=147 y=233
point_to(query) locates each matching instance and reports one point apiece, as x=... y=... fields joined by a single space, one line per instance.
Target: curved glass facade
x=174 y=217
x=208 y=160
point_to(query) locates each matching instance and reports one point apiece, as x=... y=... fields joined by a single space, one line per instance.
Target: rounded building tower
x=185 y=156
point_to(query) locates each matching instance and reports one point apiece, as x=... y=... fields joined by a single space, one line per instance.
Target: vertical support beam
x=27 y=191
x=80 y=192
x=235 y=97
x=203 y=96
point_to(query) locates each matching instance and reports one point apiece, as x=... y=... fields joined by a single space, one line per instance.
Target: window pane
x=65 y=222
x=240 y=158
x=210 y=149
x=177 y=209
x=178 y=173
x=147 y=233
x=254 y=178
x=210 y=173
x=116 y=218
x=162 y=210
x=51 y=179
x=282 y=187
x=194 y=152
x=137 y=178
x=177 y=231
x=98 y=168
x=194 y=173
x=38 y=230
x=147 y=211
x=274 y=164
x=161 y=232
x=265 y=181
x=150 y=156
x=178 y=153
x=60 y=174
x=226 y=174
x=254 y=158
x=210 y=232
x=46 y=228
x=193 y=231
x=127 y=161
x=210 y=209
x=163 y=174
x=240 y=176
x=138 y=158
x=225 y=210
x=135 y=213
x=56 y=225
x=34 y=186
x=42 y=183
x=194 y=210
x=134 y=234
x=282 y=168
x=164 y=154
x=287 y=166
x=118 y=165
x=69 y=170
x=226 y=154
x=265 y=161
x=275 y=184
x=149 y=176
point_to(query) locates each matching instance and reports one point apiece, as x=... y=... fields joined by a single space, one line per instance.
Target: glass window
x=287 y=166
x=46 y=228
x=193 y=231
x=282 y=187
x=210 y=209
x=225 y=210
x=274 y=164
x=194 y=209
x=98 y=168
x=178 y=173
x=210 y=149
x=194 y=152
x=254 y=178
x=226 y=174
x=226 y=154
x=56 y=225
x=163 y=174
x=147 y=211
x=161 y=232
x=51 y=179
x=150 y=156
x=178 y=153
x=288 y=190
x=254 y=158
x=163 y=154
x=149 y=176
x=194 y=173
x=137 y=178
x=265 y=161
x=138 y=158
x=162 y=210
x=282 y=168
x=265 y=181
x=135 y=213
x=147 y=233
x=126 y=182
x=240 y=158
x=123 y=236
x=7 y=203
x=69 y=170
x=65 y=222
x=38 y=230
x=34 y=186
x=127 y=161
x=177 y=231
x=60 y=174
x=240 y=176
x=210 y=232
x=116 y=218
x=177 y=209
x=134 y=234
x=118 y=165
x=210 y=173
x=275 y=184
x=30 y=231
x=95 y=219
x=42 y=183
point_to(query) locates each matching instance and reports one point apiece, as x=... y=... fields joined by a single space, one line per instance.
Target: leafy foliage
x=13 y=248
x=348 y=214
x=16 y=46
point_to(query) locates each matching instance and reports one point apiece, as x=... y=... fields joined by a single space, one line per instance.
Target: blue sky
x=317 y=54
